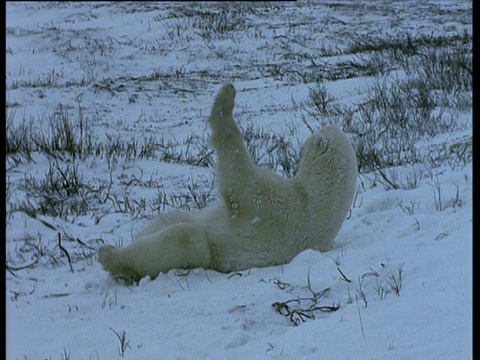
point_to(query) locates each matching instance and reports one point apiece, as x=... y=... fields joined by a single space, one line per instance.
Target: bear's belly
x=241 y=244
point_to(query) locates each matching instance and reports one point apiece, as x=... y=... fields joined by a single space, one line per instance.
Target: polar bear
x=260 y=219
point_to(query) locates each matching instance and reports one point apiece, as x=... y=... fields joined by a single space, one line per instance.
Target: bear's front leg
x=179 y=246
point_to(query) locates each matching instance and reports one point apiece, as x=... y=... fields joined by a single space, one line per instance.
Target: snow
x=53 y=312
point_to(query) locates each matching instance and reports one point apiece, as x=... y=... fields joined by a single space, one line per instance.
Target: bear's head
x=326 y=152
x=312 y=151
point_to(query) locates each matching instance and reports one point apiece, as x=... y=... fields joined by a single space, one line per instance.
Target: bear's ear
x=321 y=144
x=316 y=144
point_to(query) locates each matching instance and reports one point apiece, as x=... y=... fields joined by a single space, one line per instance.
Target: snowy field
x=105 y=128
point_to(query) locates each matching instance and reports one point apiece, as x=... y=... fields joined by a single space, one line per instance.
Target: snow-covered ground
x=135 y=82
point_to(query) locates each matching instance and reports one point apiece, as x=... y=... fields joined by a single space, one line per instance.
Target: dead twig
x=343 y=276
x=124 y=344
x=11 y=269
x=360 y=316
x=85 y=245
x=65 y=251
x=300 y=315
x=306 y=307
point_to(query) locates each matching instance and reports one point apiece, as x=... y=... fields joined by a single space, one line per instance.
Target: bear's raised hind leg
x=235 y=168
x=224 y=129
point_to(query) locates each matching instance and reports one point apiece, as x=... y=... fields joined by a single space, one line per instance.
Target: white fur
x=261 y=218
